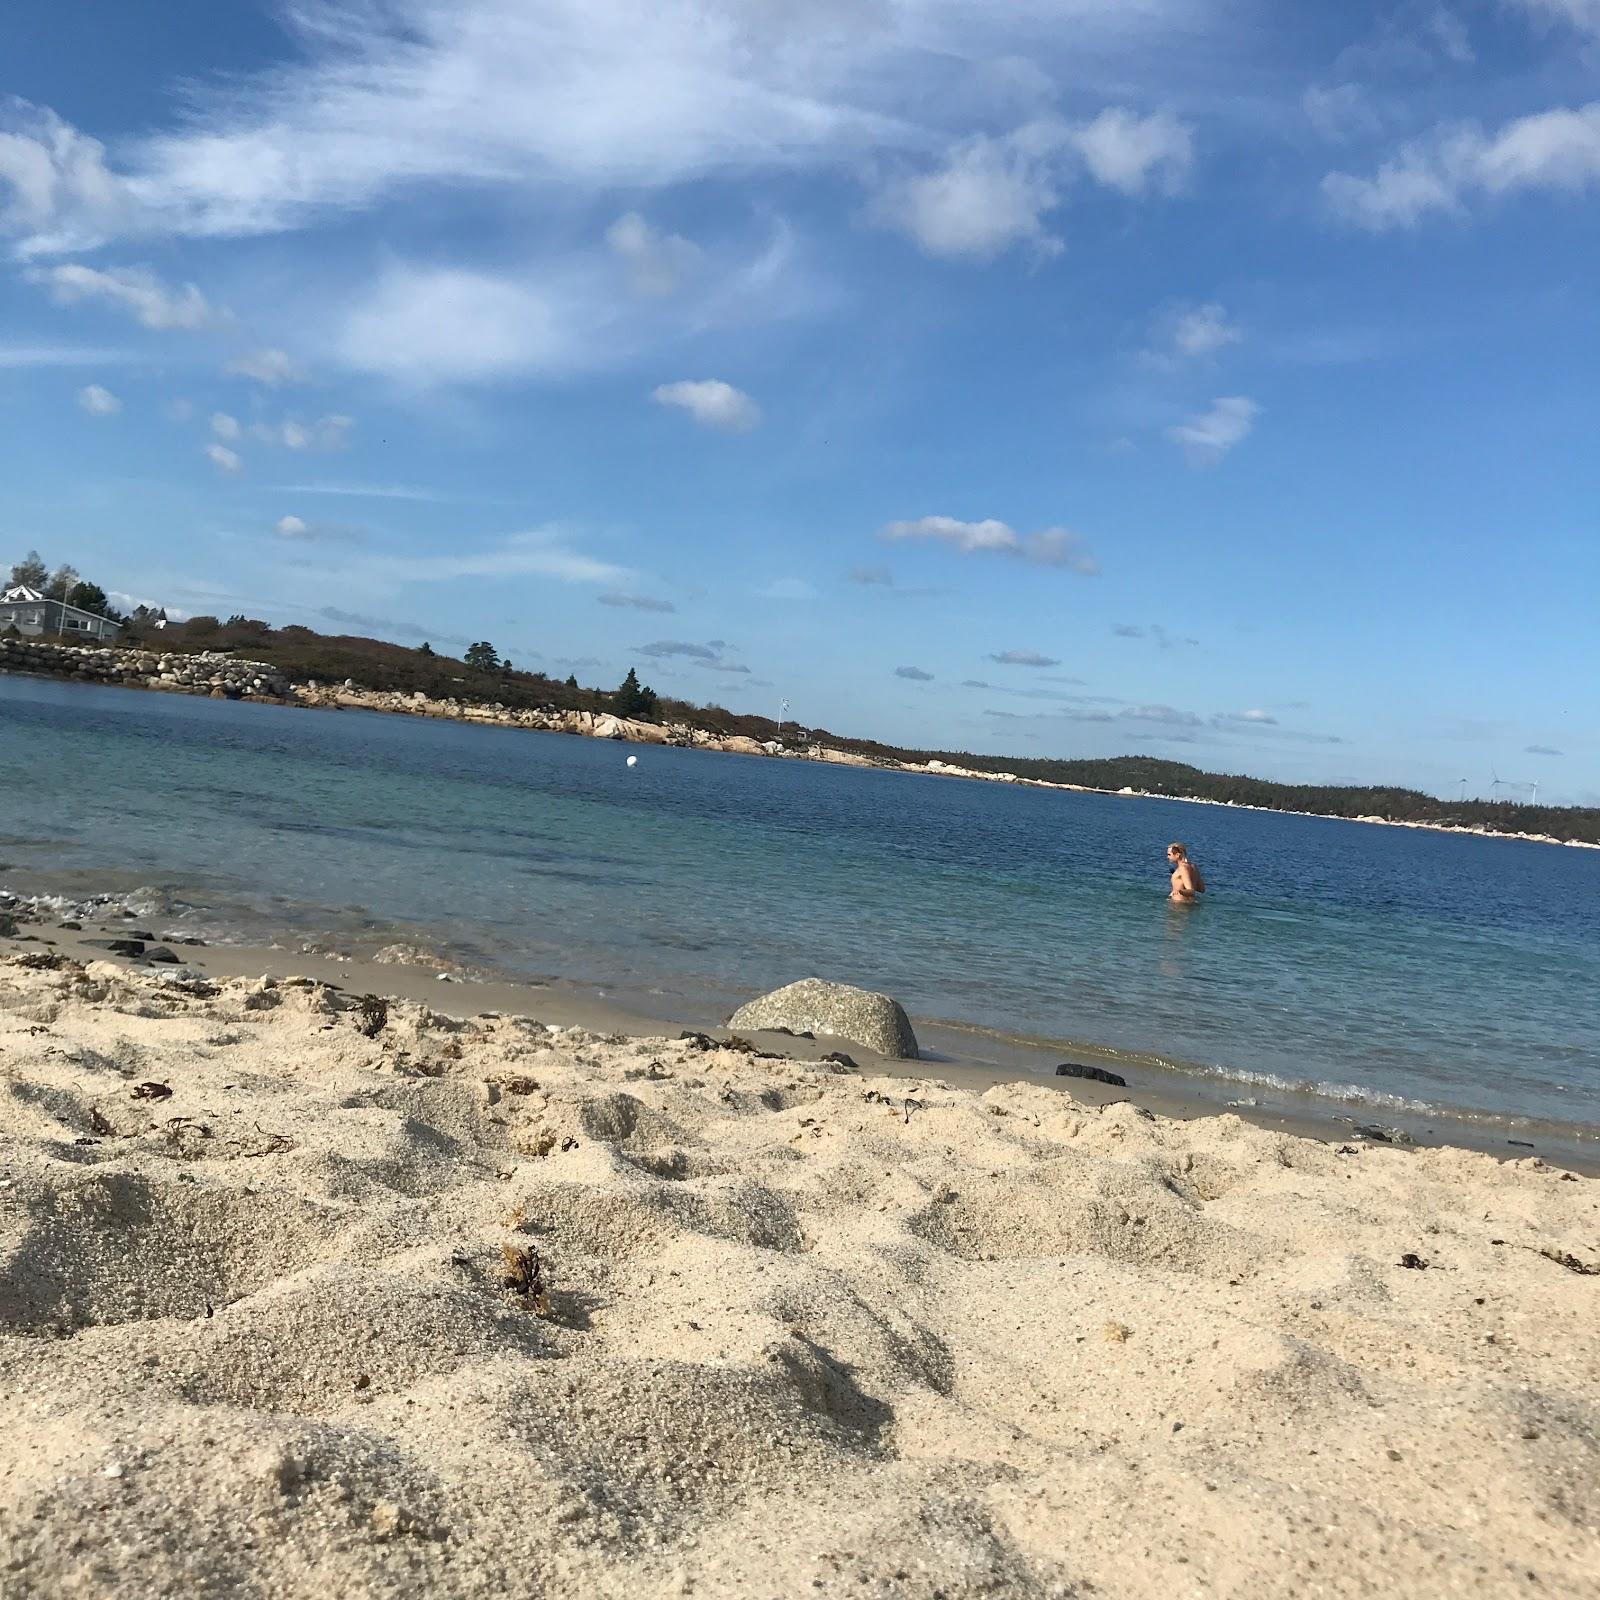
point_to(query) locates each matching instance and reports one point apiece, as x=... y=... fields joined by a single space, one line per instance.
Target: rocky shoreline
x=230 y=677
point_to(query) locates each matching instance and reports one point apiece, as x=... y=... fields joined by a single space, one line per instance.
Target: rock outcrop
x=873 y=1021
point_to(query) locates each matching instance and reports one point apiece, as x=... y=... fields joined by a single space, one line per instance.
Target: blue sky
x=1065 y=377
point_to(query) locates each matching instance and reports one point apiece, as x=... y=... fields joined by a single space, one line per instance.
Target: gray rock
x=117 y=947
x=160 y=953
x=873 y=1021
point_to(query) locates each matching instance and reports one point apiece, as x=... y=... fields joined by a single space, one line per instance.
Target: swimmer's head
x=1177 y=852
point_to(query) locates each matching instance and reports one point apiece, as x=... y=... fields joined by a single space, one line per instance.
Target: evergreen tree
x=424 y=649
x=483 y=656
x=634 y=700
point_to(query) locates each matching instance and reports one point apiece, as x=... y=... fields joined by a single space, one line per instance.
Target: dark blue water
x=1401 y=964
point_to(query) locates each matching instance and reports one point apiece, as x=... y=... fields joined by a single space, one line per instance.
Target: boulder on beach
x=873 y=1021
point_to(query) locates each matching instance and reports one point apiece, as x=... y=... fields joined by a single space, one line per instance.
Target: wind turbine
x=1463 y=791
x=1496 y=786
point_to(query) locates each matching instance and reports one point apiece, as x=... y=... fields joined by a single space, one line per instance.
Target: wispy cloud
x=791 y=589
x=1209 y=436
x=915 y=674
x=1186 y=334
x=1541 y=750
x=635 y=602
x=366 y=491
x=17 y=356
x=224 y=459
x=1553 y=151
x=534 y=553
x=657 y=262
x=325 y=433
x=132 y=289
x=273 y=368
x=1054 y=547
x=1248 y=719
x=872 y=577
x=388 y=625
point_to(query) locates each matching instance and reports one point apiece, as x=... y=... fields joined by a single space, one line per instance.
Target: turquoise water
x=1381 y=964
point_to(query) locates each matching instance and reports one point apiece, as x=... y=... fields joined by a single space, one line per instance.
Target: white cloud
x=224 y=426
x=1253 y=718
x=657 y=262
x=1190 y=333
x=993 y=193
x=425 y=324
x=1203 y=330
x=1054 y=547
x=270 y=367
x=1132 y=153
x=98 y=402
x=326 y=433
x=712 y=403
x=635 y=602
x=989 y=195
x=1551 y=150
x=56 y=192
x=1208 y=437
x=130 y=289
x=223 y=459
x=293 y=528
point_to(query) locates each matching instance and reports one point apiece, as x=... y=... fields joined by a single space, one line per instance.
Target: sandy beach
x=304 y=1292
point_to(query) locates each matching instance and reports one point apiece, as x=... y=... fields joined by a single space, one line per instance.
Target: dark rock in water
x=1071 y=1069
x=812 y=1006
x=117 y=947
x=160 y=953
x=140 y=933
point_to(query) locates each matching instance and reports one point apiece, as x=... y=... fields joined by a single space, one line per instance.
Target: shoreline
x=248 y=684
x=967 y=1057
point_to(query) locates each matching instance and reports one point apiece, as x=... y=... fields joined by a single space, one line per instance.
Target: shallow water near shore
x=1373 y=967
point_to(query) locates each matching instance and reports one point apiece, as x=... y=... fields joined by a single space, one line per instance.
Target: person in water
x=1187 y=884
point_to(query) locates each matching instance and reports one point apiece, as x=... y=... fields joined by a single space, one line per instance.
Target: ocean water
x=1382 y=966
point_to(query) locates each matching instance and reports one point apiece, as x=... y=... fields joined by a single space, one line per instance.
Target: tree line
x=483 y=674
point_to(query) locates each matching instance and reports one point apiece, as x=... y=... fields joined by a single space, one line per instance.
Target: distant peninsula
x=332 y=669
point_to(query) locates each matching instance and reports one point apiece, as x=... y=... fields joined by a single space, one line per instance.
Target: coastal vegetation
x=480 y=674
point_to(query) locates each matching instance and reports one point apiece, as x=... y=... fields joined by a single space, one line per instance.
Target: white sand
x=254 y=1338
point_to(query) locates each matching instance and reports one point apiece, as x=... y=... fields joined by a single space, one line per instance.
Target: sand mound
x=793 y=1330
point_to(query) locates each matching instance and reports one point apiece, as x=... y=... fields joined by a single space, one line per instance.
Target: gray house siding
x=54 y=619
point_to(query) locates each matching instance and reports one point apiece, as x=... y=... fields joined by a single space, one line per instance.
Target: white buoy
x=633 y=761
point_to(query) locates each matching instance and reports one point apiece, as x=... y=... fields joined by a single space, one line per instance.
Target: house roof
x=21 y=594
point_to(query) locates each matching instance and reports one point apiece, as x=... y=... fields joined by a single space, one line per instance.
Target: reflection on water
x=1401 y=962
